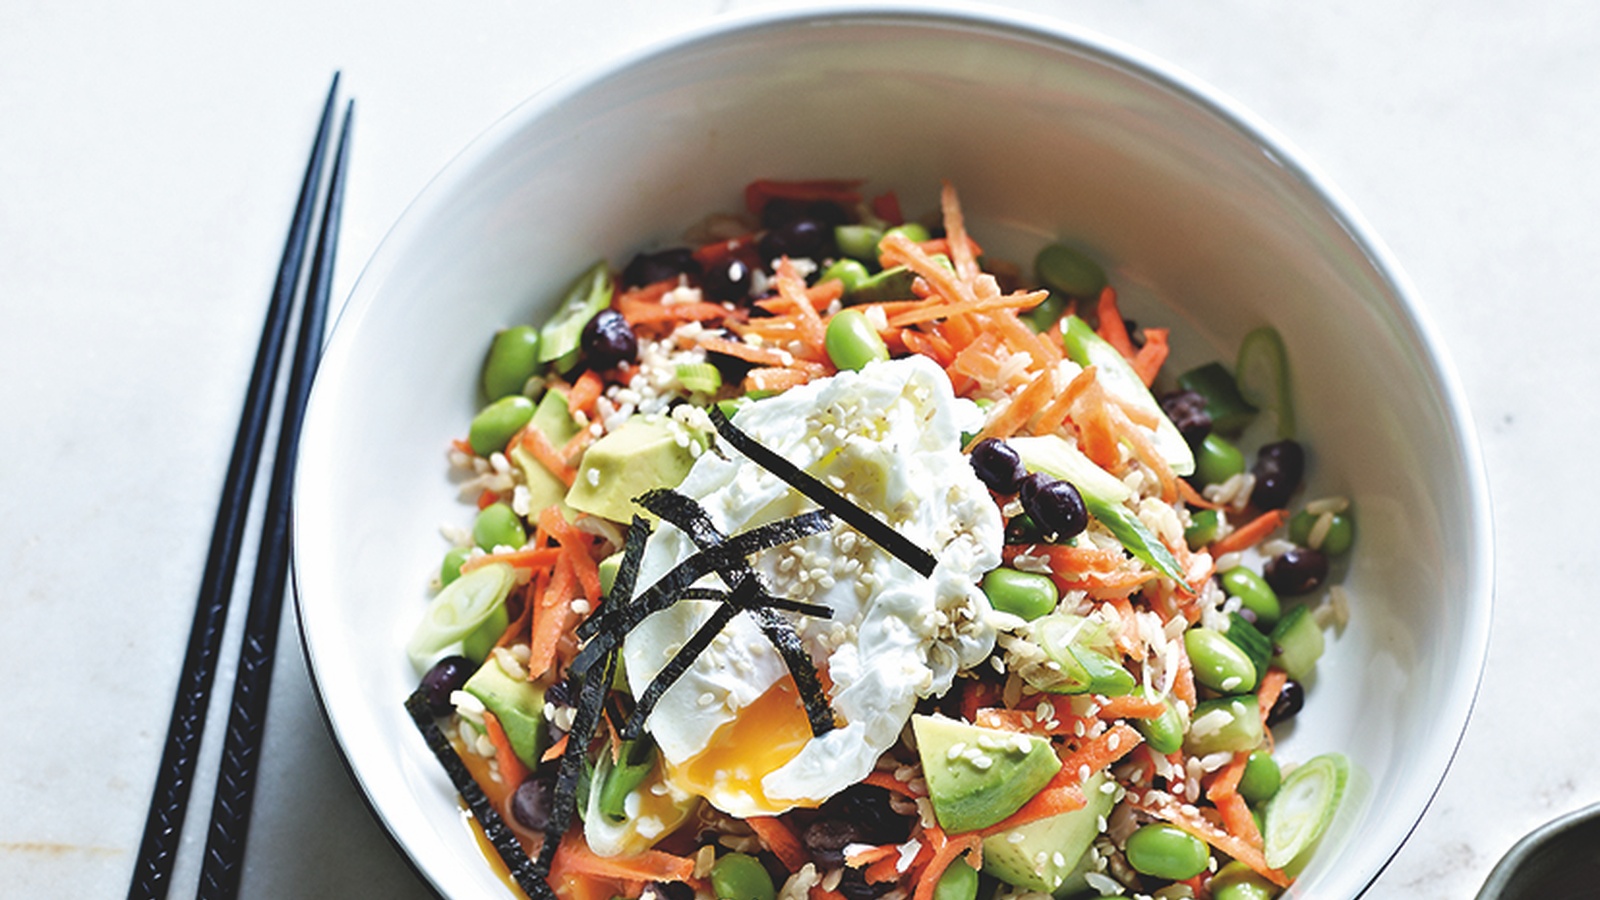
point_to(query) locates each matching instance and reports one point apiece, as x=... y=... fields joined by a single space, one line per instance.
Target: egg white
x=889 y=438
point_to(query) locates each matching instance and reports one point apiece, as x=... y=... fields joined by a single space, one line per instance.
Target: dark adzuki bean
x=531 y=802
x=1290 y=701
x=667 y=890
x=867 y=807
x=800 y=239
x=997 y=465
x=1187 y=410
x=1278 y=470
x=649 y=268
x=446 y=677
x=1296 y=571
x=727 y=281
x=1055 y=506
x=826 y=838
x=853 y=885
x=780 y=211
x=608 y=340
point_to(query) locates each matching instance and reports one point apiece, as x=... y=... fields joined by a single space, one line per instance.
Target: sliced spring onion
x=1262 y=373
x=1299 y=813
x=700 y=378
x=466 y=617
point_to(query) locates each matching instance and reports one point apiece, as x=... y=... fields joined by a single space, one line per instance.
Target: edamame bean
x=1261 y=777
x=1026 y=594
x=496 y=424
x=851 y=273
x=1219 y=664
x=1217 y=460
x=912 y=230
x=1164 y=733
x=1237 y=881
x=852 y=342
x=1049 y=310
x=498 y=526
x=1333 y=540
x=740 y=876
x=513 y=359
x=959 y=882
x=857 y=242
x=450 y=569
x=1164 y=851
x=1254 y=594
x=1069 y=271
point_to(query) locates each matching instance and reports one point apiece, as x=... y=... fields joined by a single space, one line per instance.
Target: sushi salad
x=827 y=557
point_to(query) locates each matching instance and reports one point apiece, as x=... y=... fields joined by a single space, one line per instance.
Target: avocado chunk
x=645 y=453
x=552 y=418
x=978 y=776
x=518 y=704
x=1048 y=855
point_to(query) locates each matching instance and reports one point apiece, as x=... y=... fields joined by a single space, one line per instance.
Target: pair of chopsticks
x=230 y=813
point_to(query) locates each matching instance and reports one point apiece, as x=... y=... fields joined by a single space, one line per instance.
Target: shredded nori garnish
x=693 y=519
x=680 y=663
x=761 y=600
x=564 y=799
x=526 y=872
x=875 y=529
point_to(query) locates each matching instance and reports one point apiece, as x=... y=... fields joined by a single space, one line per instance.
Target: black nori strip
x=632 y=556
x=687 y=514
x=524 y=870
x=763 y=599
x=681 y=661
x=619 y=618
x=564 y=798
x=875 y=529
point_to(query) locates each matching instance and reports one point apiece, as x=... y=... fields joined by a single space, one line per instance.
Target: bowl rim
x=1059 y=34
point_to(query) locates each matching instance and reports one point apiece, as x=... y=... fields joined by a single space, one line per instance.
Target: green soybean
x=1227 y=723
x=851 y=273
x=1026 y=594
x=513 y=359
x=496 y=424
x=1217 y=460
x=1254 y=594
x=1164 y=851
x=1164 y=733
x=1261 y=777
x=1335 y=541
x=1061 y=268
x=1237 y=881
x=498 y=526
x=450 y=569
x=852 y=342
x=1047 y=313
x=959 y=882
x=1219 y=664
x=858 y=242
x=740 y=876
x=912 y=230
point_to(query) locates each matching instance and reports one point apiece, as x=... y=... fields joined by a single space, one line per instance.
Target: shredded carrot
x=762 y=356
x=890 y=868
x=843 y=191
x=512 y=771
x=487 y=498
x=932 y=309
x=898 y=250
x=955 y=230
x=1149 y=359
x=552 y=617
x=555 y=750
x=1097 y=753
x=946 y=850
x=1055 y=412
x=1053 y=800
x=820 y=295
x=574 y=856
x=1224 y=794
x=977 y=695
x=1131 y=706
x=527 y=558
x=538 y=445
x=868 y=855
x=1021 y=409
x=577 y=544
x=772 y=379
x=708 y=255
x=1271 y=686
x=778 y=838
x=792 y=288
x=1112 y=329
x=1250 y=533
x=1193 y=497
x=675 y=312
x=888 y=782
x=584 y=393
x=818 y=892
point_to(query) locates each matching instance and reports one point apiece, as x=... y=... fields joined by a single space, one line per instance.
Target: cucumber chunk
x=1299 y=813
x=1297 y=643
x=1262 y=373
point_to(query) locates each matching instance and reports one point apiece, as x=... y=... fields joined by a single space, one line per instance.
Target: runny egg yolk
x=762 y=737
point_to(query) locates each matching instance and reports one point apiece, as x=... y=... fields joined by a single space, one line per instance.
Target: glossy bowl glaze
x=1207 y=221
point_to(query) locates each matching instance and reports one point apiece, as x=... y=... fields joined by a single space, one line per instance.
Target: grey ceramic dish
x=1557 y=861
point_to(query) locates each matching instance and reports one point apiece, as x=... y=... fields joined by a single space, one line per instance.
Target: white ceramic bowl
x=1208 y=221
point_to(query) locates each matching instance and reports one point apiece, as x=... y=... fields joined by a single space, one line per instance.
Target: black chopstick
x=158 y=849
x=223 y=862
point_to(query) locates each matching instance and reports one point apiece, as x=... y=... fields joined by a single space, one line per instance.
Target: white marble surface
x=148 y=154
